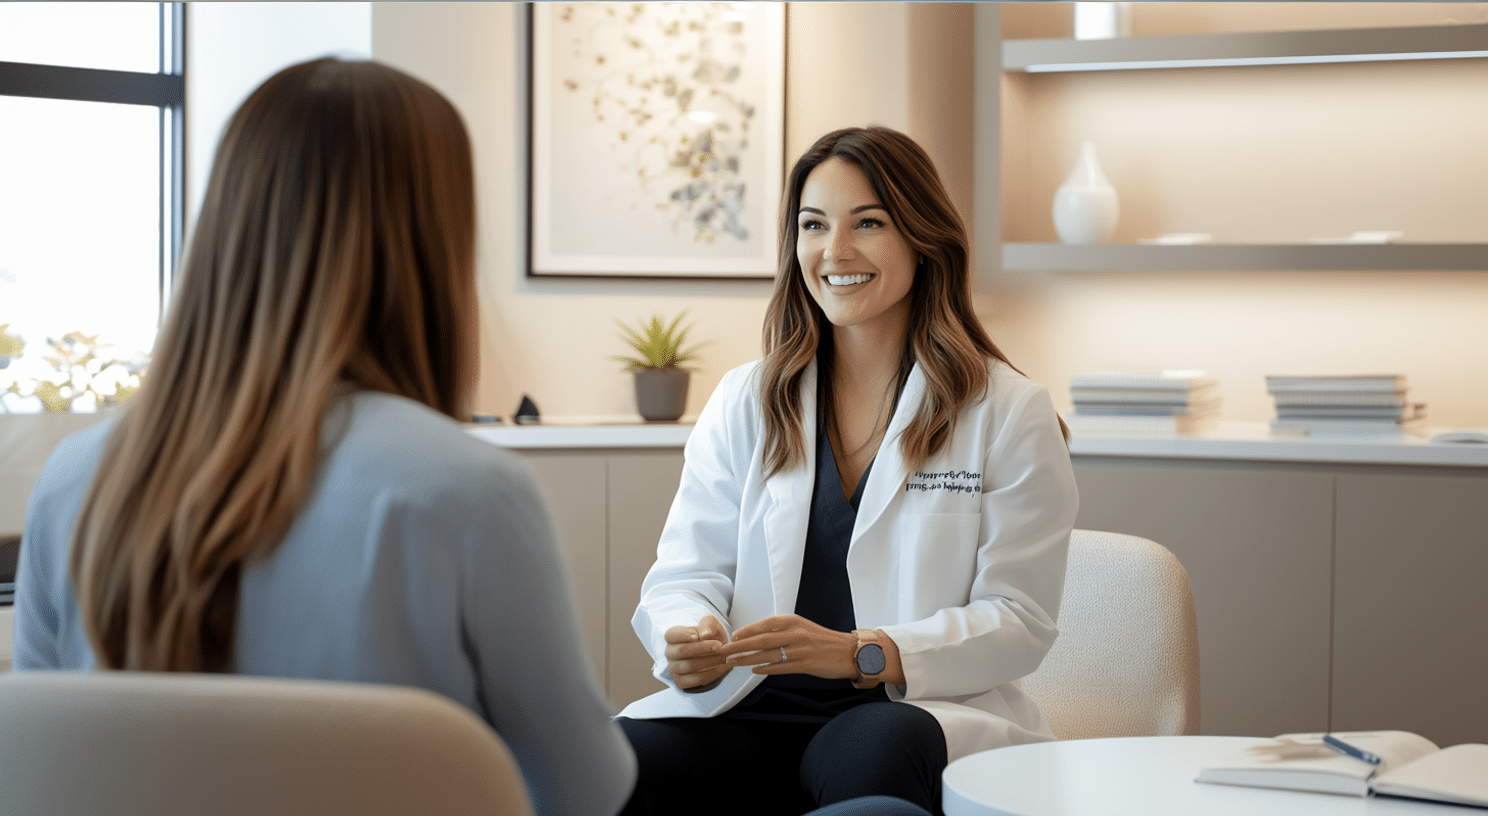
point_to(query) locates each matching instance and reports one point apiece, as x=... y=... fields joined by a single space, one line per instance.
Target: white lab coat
x=961 y=563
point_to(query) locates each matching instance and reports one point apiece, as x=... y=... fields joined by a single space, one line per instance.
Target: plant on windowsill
x=10 y=345
x=80 y=371
x=660 y=380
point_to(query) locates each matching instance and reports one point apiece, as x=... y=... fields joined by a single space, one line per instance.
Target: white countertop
x=1255 y=441
x=586 y=432
x=1246 y=441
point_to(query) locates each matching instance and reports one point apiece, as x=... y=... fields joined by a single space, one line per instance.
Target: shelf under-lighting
x=1049 y=68
x=1247 y=49
x=1244 y=257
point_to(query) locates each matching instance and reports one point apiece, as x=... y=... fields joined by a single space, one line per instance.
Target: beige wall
x=233 y=47
x=1247 y=154
x=848 y=63
x=1254 y=155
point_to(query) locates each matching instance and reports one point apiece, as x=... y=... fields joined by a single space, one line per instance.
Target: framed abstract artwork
x=657 y=139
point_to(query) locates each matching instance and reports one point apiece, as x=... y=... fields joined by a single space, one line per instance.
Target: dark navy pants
x=725 y=765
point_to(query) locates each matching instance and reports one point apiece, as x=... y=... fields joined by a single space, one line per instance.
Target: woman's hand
x=809 y=648
x=693 y=656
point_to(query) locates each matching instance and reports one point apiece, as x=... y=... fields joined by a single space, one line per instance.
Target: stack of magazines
x=1344 y=404
x=1142 y=402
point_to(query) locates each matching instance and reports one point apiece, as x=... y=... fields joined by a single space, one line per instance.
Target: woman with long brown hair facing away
x=291 y=493
x=867 y=549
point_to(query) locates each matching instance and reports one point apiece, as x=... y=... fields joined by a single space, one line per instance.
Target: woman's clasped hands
x=699 y=656
x=692 y=654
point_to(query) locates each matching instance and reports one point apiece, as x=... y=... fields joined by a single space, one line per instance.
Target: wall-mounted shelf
x=1238 y=257
x=1261 y=48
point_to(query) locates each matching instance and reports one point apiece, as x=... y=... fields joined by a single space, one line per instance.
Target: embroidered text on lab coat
x=955 y=481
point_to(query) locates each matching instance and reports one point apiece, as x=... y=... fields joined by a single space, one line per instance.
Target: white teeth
x=848 y=280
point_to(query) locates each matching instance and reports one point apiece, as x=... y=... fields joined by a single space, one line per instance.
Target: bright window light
x=79 y=233
x=115 y=36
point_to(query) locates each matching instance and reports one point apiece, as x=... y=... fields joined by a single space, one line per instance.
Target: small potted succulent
x=660 y=379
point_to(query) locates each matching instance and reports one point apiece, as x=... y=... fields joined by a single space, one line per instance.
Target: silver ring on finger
x=783 y=656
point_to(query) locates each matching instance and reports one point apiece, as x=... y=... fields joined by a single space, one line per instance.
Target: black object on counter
x=10 y=553
x=527 y=413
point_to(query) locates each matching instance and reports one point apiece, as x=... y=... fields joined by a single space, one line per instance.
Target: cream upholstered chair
x=1127 y=659
x=134 y=743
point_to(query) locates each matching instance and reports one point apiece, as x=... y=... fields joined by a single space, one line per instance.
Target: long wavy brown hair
x=945 y=338
x=335 y=248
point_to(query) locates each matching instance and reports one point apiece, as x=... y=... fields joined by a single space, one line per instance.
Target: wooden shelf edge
x=1140 y=52
x=1245 y=257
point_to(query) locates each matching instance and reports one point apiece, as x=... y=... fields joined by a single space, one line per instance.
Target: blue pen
x=1344 y=748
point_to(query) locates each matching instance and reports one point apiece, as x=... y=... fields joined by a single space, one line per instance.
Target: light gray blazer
x=424 y=557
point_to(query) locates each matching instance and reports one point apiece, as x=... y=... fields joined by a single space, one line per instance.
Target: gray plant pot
x=661 y=393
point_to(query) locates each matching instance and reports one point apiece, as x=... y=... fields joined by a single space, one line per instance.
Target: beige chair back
x=1127 y=659
x=146 y=744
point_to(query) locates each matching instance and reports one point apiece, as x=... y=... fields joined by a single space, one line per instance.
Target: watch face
x=871 y=659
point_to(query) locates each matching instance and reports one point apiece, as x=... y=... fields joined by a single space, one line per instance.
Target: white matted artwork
x=658 y=135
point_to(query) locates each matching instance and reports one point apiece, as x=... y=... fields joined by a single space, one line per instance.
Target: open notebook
x=1410 y=765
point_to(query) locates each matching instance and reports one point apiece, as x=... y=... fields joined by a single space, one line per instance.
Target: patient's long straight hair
x=335 y=244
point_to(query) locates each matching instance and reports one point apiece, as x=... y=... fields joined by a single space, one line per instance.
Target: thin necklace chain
x=881 y=421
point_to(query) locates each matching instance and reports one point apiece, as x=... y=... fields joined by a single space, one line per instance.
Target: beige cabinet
x=7 y=620
x=1257 y=544
x=642 y=486
x=1329 y=596
x=1410 y=612
x=576 y=488
x=608 y=508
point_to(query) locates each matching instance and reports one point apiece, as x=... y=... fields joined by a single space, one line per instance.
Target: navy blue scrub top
x=825 y=597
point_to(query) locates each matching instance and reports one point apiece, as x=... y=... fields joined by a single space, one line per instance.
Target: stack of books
x=1344 y=404
x=1143 y=402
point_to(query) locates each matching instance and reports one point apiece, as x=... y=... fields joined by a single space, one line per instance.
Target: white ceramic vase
x=1085 y=206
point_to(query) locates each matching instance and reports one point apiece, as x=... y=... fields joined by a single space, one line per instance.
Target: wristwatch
x=869 y=658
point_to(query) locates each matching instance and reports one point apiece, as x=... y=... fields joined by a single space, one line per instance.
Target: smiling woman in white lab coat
x=867 y=549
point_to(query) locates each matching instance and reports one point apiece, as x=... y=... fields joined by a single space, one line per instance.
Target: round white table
x=1136 y=776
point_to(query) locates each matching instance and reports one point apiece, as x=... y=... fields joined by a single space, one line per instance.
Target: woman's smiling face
x=857 y=265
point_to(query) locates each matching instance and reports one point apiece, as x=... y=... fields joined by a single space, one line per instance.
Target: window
x=91 y=120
